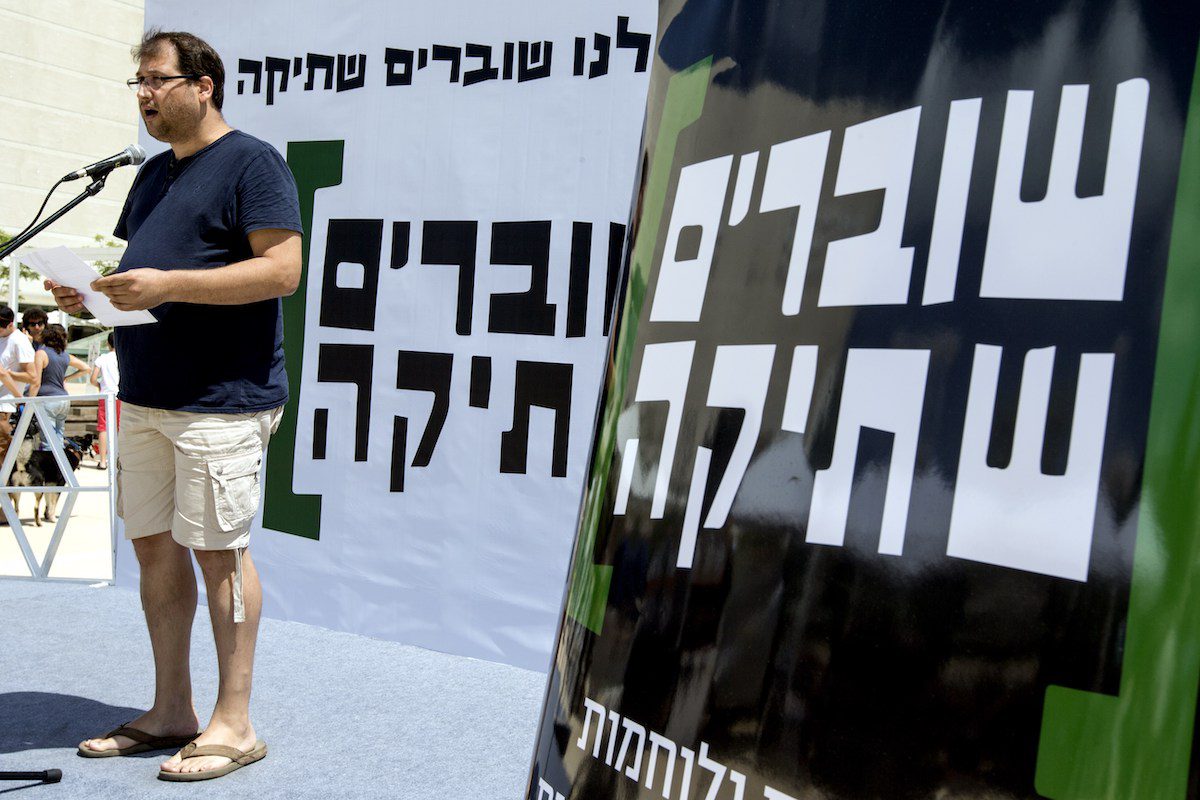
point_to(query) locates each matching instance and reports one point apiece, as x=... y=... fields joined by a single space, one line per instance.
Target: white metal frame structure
x=31 y=407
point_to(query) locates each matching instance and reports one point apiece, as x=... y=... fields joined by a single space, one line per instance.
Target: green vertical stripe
x=588 y=593
x=315 y=165
x=1139 y=744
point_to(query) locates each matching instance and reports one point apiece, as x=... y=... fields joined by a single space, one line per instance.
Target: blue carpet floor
x=343 y=715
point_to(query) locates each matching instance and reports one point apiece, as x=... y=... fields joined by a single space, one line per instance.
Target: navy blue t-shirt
x=197 y=213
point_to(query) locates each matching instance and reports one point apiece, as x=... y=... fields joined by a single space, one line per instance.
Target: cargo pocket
x=235 y=489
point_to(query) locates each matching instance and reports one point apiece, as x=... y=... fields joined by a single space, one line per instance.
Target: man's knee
x=216 y=563
x=157 y=548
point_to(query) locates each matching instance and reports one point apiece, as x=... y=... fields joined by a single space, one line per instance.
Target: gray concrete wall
x=64 y=104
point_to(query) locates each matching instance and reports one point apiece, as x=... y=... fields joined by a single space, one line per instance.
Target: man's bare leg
x=230 y=723
x=168 y=587
x=102 y=445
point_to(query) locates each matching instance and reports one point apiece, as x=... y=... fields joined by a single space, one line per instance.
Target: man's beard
x=175 y=130
x=162 y=130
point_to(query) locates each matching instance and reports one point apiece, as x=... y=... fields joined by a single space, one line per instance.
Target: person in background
x=16 y=360
x=51 y=363
x=33 y=322
x=107 y=378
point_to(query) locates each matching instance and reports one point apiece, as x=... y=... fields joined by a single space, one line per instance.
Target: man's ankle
x=236 y=723
x=172 y=711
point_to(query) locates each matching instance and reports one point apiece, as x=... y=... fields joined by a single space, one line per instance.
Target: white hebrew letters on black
x=1016 y=516
x=801 y=381
x=683 y=277
x=747 y=168
x=546 y=791
x=632 y=729
x=592 y=710
x=702 y=776
x=740 y=377
x=625 y=482
x=794 y=172
x=885 y=390
x=1065 y=247
x=950 y=214
x=691 y=514
x=860 y=388
x=873 y=269
x=664 y=378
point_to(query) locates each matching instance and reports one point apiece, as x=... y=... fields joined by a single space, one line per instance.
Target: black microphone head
x=133 y=154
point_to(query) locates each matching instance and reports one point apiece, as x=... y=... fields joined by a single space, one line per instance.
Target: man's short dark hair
x=196 y=57
x=6 y=316
x=110 y=339
x=32 y=316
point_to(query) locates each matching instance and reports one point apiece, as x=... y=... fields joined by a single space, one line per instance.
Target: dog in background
x=43 y=470
x=20 y=474
x=84 y=444
x=34 y=467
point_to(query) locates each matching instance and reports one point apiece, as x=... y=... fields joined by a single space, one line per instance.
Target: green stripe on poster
x=1139 y=744
x=315 y=165
x=589 y=582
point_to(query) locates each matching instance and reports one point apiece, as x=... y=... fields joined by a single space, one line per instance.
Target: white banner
x=469 y=168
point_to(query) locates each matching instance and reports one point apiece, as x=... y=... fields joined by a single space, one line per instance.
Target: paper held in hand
x=67 y=269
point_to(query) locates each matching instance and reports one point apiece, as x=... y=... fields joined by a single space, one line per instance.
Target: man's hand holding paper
x=67 y=298
x=136 y=289
x=74 y=286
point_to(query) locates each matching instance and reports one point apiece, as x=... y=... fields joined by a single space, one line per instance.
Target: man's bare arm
x=6 y=380
x=274 y=271
x=39 y=364
x=30 y=373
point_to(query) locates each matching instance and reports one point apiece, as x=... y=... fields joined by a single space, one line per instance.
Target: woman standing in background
x=52 y=361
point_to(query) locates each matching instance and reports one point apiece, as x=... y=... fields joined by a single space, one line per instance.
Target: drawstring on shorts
x=239 y=607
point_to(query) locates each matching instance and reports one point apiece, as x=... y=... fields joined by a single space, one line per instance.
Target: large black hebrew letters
x=350 y=282
x=464 y=64
x=422 y=372
x=353 y=294
x=546 y=386
x=347 y=363
x=527 y=312
x=452 y=244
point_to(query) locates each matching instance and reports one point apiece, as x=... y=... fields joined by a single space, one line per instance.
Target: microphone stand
x=91 y=191
x=45 y=776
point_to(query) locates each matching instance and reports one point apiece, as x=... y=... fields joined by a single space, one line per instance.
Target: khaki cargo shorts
x=193 y=474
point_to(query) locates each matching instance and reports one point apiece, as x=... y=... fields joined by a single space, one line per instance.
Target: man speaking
x=213 y=231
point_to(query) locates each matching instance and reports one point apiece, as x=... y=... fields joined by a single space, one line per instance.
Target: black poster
x=894 y=486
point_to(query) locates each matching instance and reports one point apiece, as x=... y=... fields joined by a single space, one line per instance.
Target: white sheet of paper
x=67 y=269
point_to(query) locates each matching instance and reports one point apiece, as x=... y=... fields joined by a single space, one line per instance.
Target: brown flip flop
x=146 y=743
x=238 y=759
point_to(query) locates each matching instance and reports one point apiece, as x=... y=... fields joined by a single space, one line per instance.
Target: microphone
x=133 y=154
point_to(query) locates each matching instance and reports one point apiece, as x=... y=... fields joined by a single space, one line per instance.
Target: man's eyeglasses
x=35 y=324
x=155 y=82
